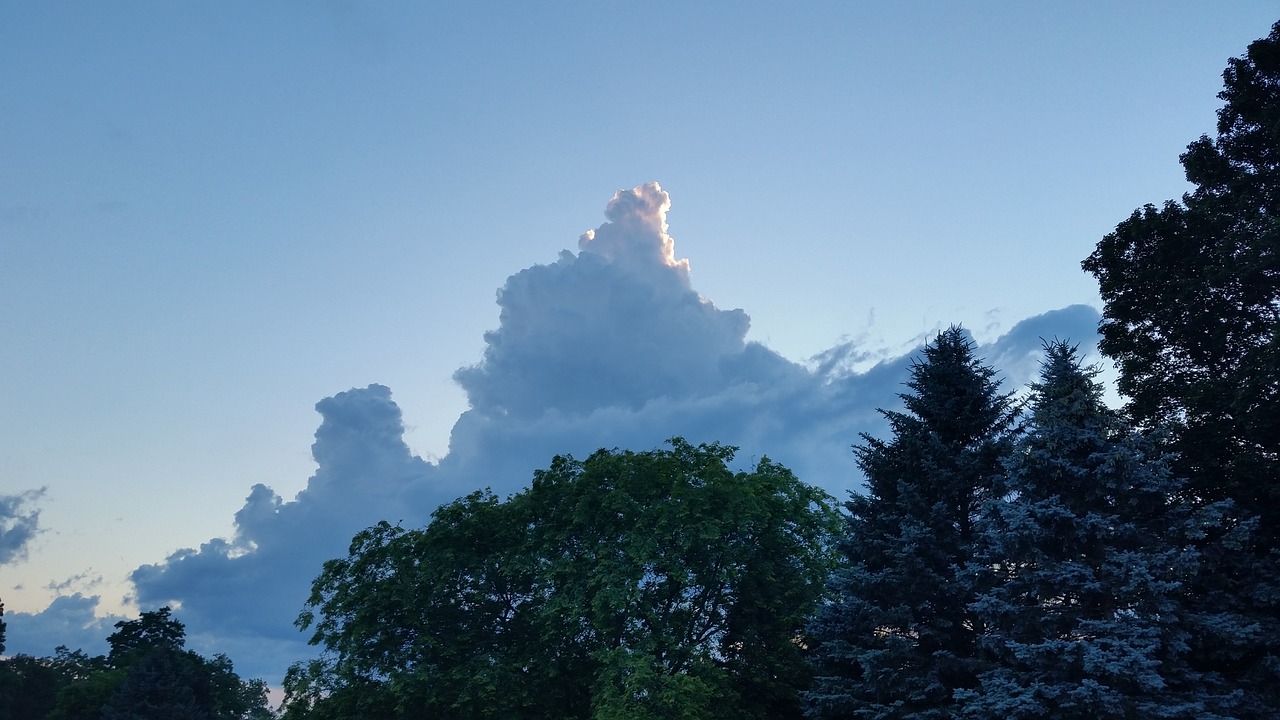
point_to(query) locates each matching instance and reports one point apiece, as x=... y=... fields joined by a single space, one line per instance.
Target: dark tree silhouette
x=900 y=637
x=1192 y=318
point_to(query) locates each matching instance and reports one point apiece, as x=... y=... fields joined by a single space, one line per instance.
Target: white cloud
x=610 y=347
x=616 y=325
x=636 y=235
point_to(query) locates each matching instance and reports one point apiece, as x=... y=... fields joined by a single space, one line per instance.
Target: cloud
x=617 y=325
x=636 y=235
x=608 y=347
x=19 y=523
x=69 y=620
x=241 y=596
x=1018 y=352
x=84 y=580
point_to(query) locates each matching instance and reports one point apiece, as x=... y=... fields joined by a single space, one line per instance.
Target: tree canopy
x=899 y=636
x=1192 y=318
x=1047 y=558
x=149 y=675
x=627 y=585
x=1081 y=568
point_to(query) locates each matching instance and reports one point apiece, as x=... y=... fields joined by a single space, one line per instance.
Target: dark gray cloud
x=1018 y=352
x=19 y=524
x=69 y=620
x=84 y=581
x=608 y=347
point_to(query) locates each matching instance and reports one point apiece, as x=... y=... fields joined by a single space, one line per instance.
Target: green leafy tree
x=85 y=699
x=628 y=585
x=1192 y=318
x=1082 y=565
x=445 y=618
x=149 y=674
x=29 y=687
x=900 y=636
x=152 y=630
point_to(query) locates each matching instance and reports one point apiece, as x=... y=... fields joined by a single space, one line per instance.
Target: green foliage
x=655 y=584
x=900 y=636
x=85 y=699
x=149 y=674
x=29 y=686
x=166 y=683
x=160 y=684
x=1192 y=318
x=152 y=630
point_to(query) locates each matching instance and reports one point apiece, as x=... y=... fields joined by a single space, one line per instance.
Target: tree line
x=1042 y=557
x=149 y=674
x=1012 y=556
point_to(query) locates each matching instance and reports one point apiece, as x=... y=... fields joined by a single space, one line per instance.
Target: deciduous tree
x=627 y=585
x=149 y=674
x=1192 y=318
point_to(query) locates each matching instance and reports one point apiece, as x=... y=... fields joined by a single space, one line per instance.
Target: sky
x=272 y=272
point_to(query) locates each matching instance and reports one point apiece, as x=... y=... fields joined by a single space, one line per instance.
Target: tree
x=1082 y=564
x=445 y=619
x=152 y=630
x=85 y=699
x=29 y=687
x=628 y=585
x=1192 y=318
x=900 y=636
x=150 y=674
x=163 y=684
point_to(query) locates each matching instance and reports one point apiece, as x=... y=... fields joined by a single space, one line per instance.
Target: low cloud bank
x=70 y=620
x=608 y=347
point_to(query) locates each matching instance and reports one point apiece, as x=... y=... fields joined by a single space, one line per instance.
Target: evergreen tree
x=1192 y=318
x=1082 y=562
x=899 y=637
x=163 y=683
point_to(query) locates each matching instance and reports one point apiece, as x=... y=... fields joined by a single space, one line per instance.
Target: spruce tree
x=899 y=636
x=1083 y=561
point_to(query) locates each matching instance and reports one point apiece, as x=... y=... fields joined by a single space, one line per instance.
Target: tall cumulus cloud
x=617 y=325
x=610 y=346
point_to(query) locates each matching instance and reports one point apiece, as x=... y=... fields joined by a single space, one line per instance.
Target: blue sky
x=213 y=217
